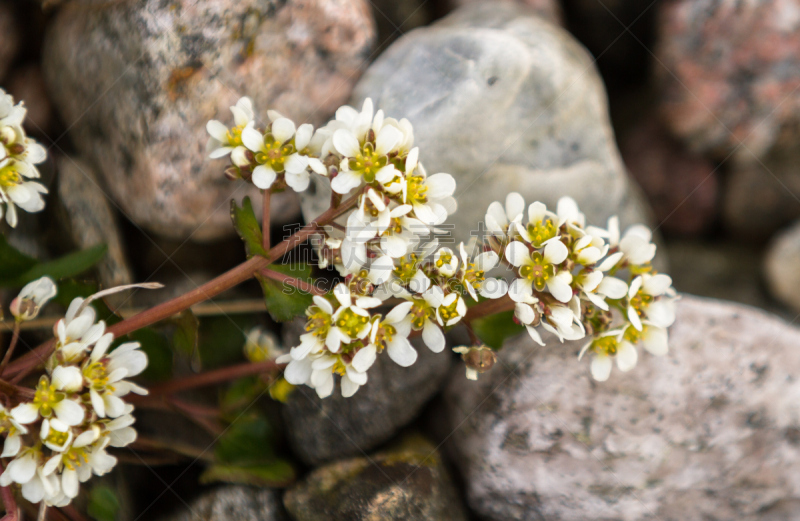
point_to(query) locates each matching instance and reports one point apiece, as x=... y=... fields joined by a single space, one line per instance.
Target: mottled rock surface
x=763 y=195
x=407 y=482
x=136 y=83
x=90 y=220
x=709 y=433
x=782 y=267
x=681 y=186
x=234 y=503
x=730 y=72
x=503 y=101
x=335 y=427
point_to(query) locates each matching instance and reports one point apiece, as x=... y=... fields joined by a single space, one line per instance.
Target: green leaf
x=494 y=329
x=278 y=473
x=66 y=266
x=284 y=302
x=159 y=355
x=246 y=224
x=241 y=393
x=13 y=263
x=103 y=504
x=247 y=441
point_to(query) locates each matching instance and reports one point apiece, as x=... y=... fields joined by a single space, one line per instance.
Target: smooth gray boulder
x=711 y=432
x=504 y=101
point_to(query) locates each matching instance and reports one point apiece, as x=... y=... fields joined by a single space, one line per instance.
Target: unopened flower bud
x=241 y=157
x=261 y=346
x=233 y=173
x=478 y=359
x=31 y=299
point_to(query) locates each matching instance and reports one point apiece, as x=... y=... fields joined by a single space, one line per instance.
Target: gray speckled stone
x=136 y=82
x=321 y=430
x=90 y=220
x=709 y=433
x=234 y=503
x=407 y=482
x=504 y=101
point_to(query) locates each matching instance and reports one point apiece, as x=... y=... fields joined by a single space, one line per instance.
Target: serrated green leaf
x=159 y=355
x=278 y=473
x=13 y=263
x=247 y=441
x=66 y=266
x=494 y=329
x=103 y=504
x=284 y=302
x=246 y=224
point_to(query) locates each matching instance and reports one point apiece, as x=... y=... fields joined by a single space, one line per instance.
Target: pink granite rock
x=729 y=72
x=136 y=82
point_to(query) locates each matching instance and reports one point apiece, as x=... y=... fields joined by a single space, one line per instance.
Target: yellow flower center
x=319 y=322
x=541 y=232
x=474 y=276
x=57 y=438
x=234 y=136
x=367 y=162
x=274 y=153
x=444 y=258
x=449 y=312
x=9 y=177
x=97 y=375
x=406 y=268
x=607 y=345
x=419 y=312
x=351 y=322
x=538 y=272
x=640 y=302
x=75 y=457
x=417 y=190
x=46 y=397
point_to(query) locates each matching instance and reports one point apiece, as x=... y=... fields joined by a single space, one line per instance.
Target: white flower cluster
x=19 y=156
x=566 y=280
x=565 y=271
x=59 y=438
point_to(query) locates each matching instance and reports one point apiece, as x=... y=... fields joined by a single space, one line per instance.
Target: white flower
x=391 y=334
x=595 y=287
x=635 y=246
x=320 y=316
x=32 y=297
x=473 y=275
x=652 y=337
x=606 y=346
x=650 y=297
x=445 y=262
x=49 y=399
x=224 y=141
x=564 y=321
x=430 y=196
x=501 y=221
x=76 y=332
x=530 y=318
x=538 y=270
x=569 y=214
x=15 y=190
x=261 y=345
x=363 y=160
x=542 y=225
x=22 y=468
x=13 y=431
x=276 y=152
x=104 y=373
x=351 y=320
x=55 y=434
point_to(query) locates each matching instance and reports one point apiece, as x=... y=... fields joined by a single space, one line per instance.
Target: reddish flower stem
x=22 y=366
x=216 y=376
x=12 y=513
x=302 y=285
